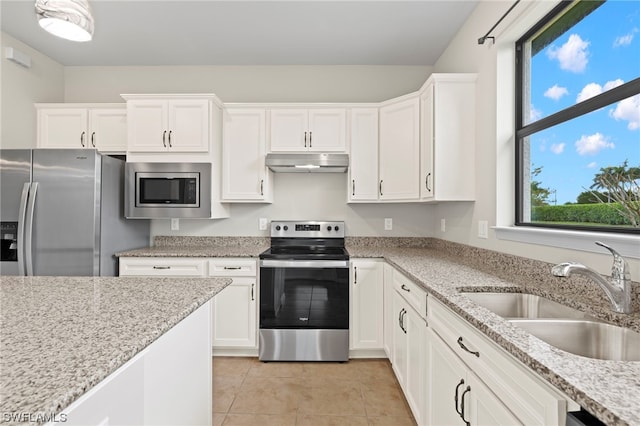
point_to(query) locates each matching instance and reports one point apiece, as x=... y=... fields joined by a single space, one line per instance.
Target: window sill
x=626 y=245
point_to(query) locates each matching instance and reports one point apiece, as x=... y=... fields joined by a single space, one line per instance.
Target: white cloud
x=592 y=144
x=594 y=89
x=628 y=110
x=572 y=55
x=557 y=148
x=534 y=114
x=556 y=92
x=592 y=165
x=625 y=40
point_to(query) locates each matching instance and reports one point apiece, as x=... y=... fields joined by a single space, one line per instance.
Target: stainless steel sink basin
x=586 y=338
x=523 y=305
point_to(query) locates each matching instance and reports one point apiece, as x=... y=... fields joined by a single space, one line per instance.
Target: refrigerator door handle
x=28 y=247
x=22 y=216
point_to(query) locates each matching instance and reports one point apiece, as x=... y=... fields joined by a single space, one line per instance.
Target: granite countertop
x=63 y=335
x=608 y=389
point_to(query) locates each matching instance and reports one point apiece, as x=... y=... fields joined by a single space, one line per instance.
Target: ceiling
x=243 y=32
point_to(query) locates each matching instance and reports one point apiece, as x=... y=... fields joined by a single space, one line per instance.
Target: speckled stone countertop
x=610 y=390
x=60 y=336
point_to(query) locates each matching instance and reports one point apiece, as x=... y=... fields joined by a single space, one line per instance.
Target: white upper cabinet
x=447 y=120
x=363 y=158
x=245 y=176
x=400 y=149
x=103 y=127
x=157 y=124
x=317 y=129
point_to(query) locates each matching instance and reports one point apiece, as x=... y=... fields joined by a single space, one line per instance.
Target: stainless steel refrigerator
x=62 y=213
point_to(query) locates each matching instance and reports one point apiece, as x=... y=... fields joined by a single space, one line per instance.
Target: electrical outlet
x=262 y=225
x=388 y=224
x=443 y=225
x=175 y=224
x=483 y=229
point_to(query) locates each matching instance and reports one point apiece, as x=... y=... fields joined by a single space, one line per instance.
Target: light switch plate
x=262 y=225
x=483 y=229
x=175 y=224
x=388 y=224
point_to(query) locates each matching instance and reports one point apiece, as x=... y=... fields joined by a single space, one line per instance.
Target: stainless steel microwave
x=167 y=190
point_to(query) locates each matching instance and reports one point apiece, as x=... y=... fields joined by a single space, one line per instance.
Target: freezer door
x=15 y=172
x=65 y=235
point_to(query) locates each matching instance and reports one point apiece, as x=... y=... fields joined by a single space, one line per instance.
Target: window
x=578 y=118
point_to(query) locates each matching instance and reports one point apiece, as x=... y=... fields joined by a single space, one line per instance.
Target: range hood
x=308 y=162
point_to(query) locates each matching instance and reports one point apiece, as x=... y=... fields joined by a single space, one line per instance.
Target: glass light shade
x=68 y=19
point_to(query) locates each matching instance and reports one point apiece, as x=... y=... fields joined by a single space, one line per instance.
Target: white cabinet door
x=327 y=129
x=235 y=315
x=484 y=407
x=62 y=128
x=108 y=129
x=363 y=158
x=400 y=362
x=147 y=123
x=289 y=130
x=366 y=328
x=244 y=174
x=308 y=129
x=158 y=125
x=400 y=150
x=188 y=129
x=448 y=138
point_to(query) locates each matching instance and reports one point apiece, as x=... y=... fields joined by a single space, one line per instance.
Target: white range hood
x=308 y=162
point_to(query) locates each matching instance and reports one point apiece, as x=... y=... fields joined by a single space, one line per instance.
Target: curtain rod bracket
x=481 y=40
x=484 y=38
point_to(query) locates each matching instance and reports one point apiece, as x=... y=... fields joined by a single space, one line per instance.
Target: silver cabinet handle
x=426 y=182
x=261 y=186
x=310 y=136
x=82 y=138
x=353 y=187
x=93 y=139
x=455 y=398
x=381 y=188
x=170 y=131
x=252 y=297
x=464 y=347
x=467 y=390
x=305 y=139
x=232 y=267
x=355 y=275
x=405 y=288
x=162 y=267
x=164 y=138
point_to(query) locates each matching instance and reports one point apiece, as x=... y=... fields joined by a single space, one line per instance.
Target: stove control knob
x=336 y=228
x=277 y=227
x=286 y=228
x=328 y=228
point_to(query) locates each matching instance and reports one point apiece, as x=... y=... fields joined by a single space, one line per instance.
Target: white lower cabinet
x=168 y=383
x=456 y=396
x=366 y=330
x=409 y=343
x=235 y=309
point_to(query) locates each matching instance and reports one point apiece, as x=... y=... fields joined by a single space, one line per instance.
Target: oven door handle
x=271 y=263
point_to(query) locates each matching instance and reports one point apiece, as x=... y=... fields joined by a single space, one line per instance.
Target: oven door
x=298 y=294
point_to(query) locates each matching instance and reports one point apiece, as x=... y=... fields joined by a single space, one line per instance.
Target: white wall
x=297 y=196
x=22 y=87
x=495 y=147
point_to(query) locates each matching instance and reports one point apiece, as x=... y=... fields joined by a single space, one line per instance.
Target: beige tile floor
x=359 y=392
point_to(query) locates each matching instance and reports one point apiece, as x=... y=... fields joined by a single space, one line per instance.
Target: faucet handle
x=619 y=269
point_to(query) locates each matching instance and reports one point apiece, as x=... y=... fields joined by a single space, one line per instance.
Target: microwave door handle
x=22 y=216
x=28 y=246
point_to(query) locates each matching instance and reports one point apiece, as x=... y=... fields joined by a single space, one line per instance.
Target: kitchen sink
x=524 y=305
x=586 y=338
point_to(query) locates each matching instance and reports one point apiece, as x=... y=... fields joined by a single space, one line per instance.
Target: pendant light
x=68 y=19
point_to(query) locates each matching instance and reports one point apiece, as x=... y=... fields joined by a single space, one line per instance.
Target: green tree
x=622 y=186
x=539 y=195
x=591 y=197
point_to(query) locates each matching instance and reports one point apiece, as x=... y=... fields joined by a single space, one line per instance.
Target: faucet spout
x=617 y=289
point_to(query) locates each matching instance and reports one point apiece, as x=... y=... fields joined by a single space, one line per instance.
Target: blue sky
x=600 y=52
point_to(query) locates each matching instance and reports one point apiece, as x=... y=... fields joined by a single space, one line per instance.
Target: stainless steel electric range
x=304 y=293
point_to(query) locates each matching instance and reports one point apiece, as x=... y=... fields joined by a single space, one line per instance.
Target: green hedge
x=605 y=214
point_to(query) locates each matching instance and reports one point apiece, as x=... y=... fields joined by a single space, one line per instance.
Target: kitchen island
x=61 y=336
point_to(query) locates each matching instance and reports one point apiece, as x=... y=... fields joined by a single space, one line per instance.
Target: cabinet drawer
x=411 y=292
x=231 y=267
x=533 y=400
x=163 y=266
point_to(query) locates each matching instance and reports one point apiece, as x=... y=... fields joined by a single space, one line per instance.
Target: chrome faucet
x=618 y=289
